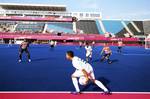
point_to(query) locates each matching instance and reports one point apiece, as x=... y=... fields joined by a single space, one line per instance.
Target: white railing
x=80 y=15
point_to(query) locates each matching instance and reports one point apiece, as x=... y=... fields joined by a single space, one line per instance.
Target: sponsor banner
x=21 y=18
x=63 y=37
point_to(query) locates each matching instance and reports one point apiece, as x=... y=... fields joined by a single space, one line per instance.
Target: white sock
x=75 y=83
x=99 y=84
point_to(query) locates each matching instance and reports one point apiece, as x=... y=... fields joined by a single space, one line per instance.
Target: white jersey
x=88 y=51
x=52 y=43
x=88 y=48
x=80 y=64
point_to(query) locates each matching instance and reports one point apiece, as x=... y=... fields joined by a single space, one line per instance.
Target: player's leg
x=75 y=75
x=103 y=58
x=108 y=58
x=90 y=56
x=120 y=49
x=52 y=46
x=87 y=56
x=28 y=55
x=75 y=83
x=97 y=82
x=20 y=54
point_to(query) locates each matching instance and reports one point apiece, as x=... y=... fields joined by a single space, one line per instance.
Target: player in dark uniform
x=107 y=52
x=80 y=44
x=24 y=48
x=120 y=45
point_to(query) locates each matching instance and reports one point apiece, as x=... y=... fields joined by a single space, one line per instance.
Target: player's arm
x=91 y=49
x=85 y=74
x=85 y=48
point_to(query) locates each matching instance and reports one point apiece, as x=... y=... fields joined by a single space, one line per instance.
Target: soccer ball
x=82 y=81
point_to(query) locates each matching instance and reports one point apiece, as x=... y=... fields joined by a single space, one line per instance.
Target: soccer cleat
x=75 y=93
x=106 y=93
x=19 y=60
x=29 y=60
x=110 y=62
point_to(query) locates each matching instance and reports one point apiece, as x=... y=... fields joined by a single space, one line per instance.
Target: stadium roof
x=38 y=7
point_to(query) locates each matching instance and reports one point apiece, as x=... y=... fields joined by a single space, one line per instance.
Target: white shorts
x=89 y=54
x=79 y=73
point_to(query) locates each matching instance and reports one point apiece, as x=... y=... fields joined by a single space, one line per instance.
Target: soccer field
x=50 y=71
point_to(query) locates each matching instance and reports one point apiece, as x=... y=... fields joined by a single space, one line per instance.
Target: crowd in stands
x=27 y=28
x=108 y=34
x=7 y=27
x=127 y=35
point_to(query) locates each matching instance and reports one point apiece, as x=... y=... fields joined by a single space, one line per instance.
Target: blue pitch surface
x=50 y=71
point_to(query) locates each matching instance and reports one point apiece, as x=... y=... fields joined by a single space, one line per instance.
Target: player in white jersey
x=10 y=43
x=52 y=44
x=83 y=69
x=88 y=49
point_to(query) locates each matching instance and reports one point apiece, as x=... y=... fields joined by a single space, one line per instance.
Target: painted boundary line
x=67 y=92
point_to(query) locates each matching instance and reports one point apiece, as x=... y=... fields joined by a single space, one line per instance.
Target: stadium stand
x=7 y=26
x=146 y=25
x=87 y=26
x=136 y=27
x=114 y=27
x=124 y=28
x=59 y=27
x=46 y=22
x=33 y=27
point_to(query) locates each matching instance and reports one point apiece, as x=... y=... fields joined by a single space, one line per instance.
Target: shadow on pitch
x=104 y=80
x=98 y=60
x=115 y=61
x=41 y=59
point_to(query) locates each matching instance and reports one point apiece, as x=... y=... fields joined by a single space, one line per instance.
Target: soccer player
x=107 y=52
x=93 y=43
x=24 y=48
x=88 y=49
x=52 y=44
x=80 y=44
x=120 y=44
x=83 y=69
x=10 y=43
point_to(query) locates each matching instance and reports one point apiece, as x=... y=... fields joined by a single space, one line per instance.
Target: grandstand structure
x=49 y=22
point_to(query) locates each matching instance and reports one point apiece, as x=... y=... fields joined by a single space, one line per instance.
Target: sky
x=111 y=9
